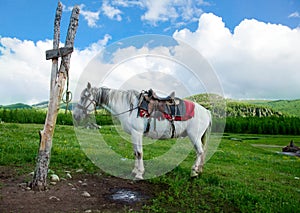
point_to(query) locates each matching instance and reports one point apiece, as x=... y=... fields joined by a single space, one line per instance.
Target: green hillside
x=44 y=105
x=17 y=106
x=240 y=109
x=290 y=107
x=248 y=108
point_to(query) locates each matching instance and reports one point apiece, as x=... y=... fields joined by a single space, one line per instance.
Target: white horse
x=124 y=105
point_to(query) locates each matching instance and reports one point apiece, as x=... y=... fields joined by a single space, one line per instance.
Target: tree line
x=283 y=125
x=273 y=125
x=38 y=117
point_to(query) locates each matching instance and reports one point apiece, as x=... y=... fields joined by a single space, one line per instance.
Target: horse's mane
x=108 y=96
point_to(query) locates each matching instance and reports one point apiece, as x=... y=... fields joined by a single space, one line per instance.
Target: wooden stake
x=58 y=79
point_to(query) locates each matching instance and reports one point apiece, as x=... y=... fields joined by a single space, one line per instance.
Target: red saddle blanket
x=189 y=113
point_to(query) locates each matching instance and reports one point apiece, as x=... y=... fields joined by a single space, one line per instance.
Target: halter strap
x=92 y=101
x=85 y=108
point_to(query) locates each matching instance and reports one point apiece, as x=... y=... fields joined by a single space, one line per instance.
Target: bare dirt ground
x=107 y=194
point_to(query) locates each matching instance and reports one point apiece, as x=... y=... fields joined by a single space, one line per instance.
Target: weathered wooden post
x=58 y=78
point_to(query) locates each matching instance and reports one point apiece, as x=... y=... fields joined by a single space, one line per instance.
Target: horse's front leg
x=137 y=140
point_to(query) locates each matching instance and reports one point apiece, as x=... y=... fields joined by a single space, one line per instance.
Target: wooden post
x=58 y=78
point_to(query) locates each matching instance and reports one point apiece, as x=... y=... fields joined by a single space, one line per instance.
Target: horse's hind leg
x=197 y=167
x=204 y=140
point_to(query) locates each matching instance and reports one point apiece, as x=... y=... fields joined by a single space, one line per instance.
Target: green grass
x=239 y=177
x=19 y=145
x=242 y=176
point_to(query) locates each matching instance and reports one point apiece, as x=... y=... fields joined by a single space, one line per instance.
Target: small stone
x=31 y=173
x=69 y=175
x=53 y=183
x=54 y=178
x=54 y=198
x=70 y=184
x=86 y=194
x=84 y=184
x=80 y=181
x=23 y=185
x=28 y=188
x=297 y=178
x=79 y=170
x=88 y=211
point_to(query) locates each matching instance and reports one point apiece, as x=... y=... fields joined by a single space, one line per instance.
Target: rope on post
x=67 y=94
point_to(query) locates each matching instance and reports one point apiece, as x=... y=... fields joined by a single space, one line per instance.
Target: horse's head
x=86 y=104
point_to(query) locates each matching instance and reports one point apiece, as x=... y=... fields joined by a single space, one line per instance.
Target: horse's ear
x=89 y=86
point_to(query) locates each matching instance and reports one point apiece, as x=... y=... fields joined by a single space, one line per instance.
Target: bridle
x=85 y=109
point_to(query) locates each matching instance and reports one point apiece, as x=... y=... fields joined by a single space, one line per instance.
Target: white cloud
x=169 y=10
x=163 y=68
x=111 y=12
x=294 y=15
x=89 y=16
x=189 y=11
x=159 y=11
x=23 y=69
x=127 y=3
x=183 y=11
x=25 y=73
x=257 y=60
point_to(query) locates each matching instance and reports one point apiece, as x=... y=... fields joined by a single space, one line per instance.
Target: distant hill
x=241 y=109
x=248 y=108
x=289 y=107
x=41 y=105
x=44 y=105
x=16 y=106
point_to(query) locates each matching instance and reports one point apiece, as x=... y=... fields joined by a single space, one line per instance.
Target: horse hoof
x=138 y=177
x=194 y=174
x=134 y=172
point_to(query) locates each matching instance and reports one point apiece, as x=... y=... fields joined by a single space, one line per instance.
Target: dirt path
x=107 y=194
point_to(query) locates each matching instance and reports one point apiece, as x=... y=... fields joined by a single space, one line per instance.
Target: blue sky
x=216 y=28
x=33 y=20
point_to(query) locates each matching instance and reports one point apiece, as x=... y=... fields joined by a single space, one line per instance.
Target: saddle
x=170 y=107
x=152 y=95
x=158 y=107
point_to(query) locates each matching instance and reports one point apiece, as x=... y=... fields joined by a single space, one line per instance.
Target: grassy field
x=244 y=175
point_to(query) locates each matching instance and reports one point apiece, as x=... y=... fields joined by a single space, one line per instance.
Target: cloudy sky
x=252 y=46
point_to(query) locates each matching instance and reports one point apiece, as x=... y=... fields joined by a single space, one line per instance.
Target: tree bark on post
x=58 y=78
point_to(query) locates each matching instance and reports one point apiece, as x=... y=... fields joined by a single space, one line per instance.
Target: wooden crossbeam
x=56 y=53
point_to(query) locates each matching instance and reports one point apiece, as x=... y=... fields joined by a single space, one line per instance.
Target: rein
x=130 y=110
